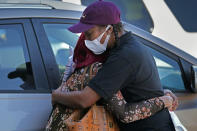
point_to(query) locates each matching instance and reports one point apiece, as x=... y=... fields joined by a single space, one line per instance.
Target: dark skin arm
x=75 y=99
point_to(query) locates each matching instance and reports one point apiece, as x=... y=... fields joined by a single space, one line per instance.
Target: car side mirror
x=194 y=78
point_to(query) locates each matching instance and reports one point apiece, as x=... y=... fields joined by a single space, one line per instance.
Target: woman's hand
x=64 y=89
x=175 y=99
x=168 y=101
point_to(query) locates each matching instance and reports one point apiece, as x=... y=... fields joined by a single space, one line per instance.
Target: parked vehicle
x=34 y=48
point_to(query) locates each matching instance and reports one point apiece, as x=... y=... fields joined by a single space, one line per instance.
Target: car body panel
x=188 y=118
x=24 y=112
x=187 y=110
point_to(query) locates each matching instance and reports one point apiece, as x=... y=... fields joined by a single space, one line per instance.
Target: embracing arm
x=123 y=111
x=75 y=99
x=127 y=113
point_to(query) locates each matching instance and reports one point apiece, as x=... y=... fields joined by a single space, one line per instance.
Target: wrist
x=53 y=95
x=162 y=101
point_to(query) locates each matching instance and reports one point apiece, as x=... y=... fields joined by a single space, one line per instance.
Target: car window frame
x=39 y=74
x=51 y=65
x=183 y=64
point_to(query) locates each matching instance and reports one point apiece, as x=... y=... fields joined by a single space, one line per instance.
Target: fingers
x=65 y=89
x=175 y=99
x=168 y=101
x=174 y=105
x=168 y=92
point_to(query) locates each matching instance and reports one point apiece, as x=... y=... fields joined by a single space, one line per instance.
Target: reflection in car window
x=15 y=67
x=184 y=11
x=132 y=11
x=169 y=71
x=62 y=42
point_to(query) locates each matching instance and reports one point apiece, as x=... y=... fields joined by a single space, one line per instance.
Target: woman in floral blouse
x=123 y=111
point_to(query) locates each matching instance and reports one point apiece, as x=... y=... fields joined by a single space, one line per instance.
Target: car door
x=175 y=74
x=54 y=37
x=24 y=90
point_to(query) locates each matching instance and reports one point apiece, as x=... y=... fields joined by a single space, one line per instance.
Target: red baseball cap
x=97 y=13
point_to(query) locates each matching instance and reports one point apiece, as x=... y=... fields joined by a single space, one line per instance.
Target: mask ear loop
x=108 y=26
x=100 y=37
x=107 y=37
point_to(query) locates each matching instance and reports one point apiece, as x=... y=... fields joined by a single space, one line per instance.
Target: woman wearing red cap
x=129 y=68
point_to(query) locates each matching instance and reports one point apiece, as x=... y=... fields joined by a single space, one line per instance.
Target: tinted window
x=15 y=66
x=168 y=68
x=185 y=12
x=169 y=71
x=132 y=11
x=62 y=42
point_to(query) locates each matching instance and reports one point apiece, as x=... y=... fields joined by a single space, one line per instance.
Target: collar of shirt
x=125 y=38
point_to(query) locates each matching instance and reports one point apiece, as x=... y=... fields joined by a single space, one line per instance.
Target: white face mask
x=95 y=46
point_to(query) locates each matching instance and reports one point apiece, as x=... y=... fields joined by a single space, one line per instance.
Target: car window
x=184 y=10
x=15 y=67
x=62 y=42
x=132 y=11
x=169 y=71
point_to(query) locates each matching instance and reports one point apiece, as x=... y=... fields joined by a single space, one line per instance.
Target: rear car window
x=62 y=42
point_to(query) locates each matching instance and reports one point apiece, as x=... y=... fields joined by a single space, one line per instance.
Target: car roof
x=55 y=4
x=39 y=8
x=36 y=13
